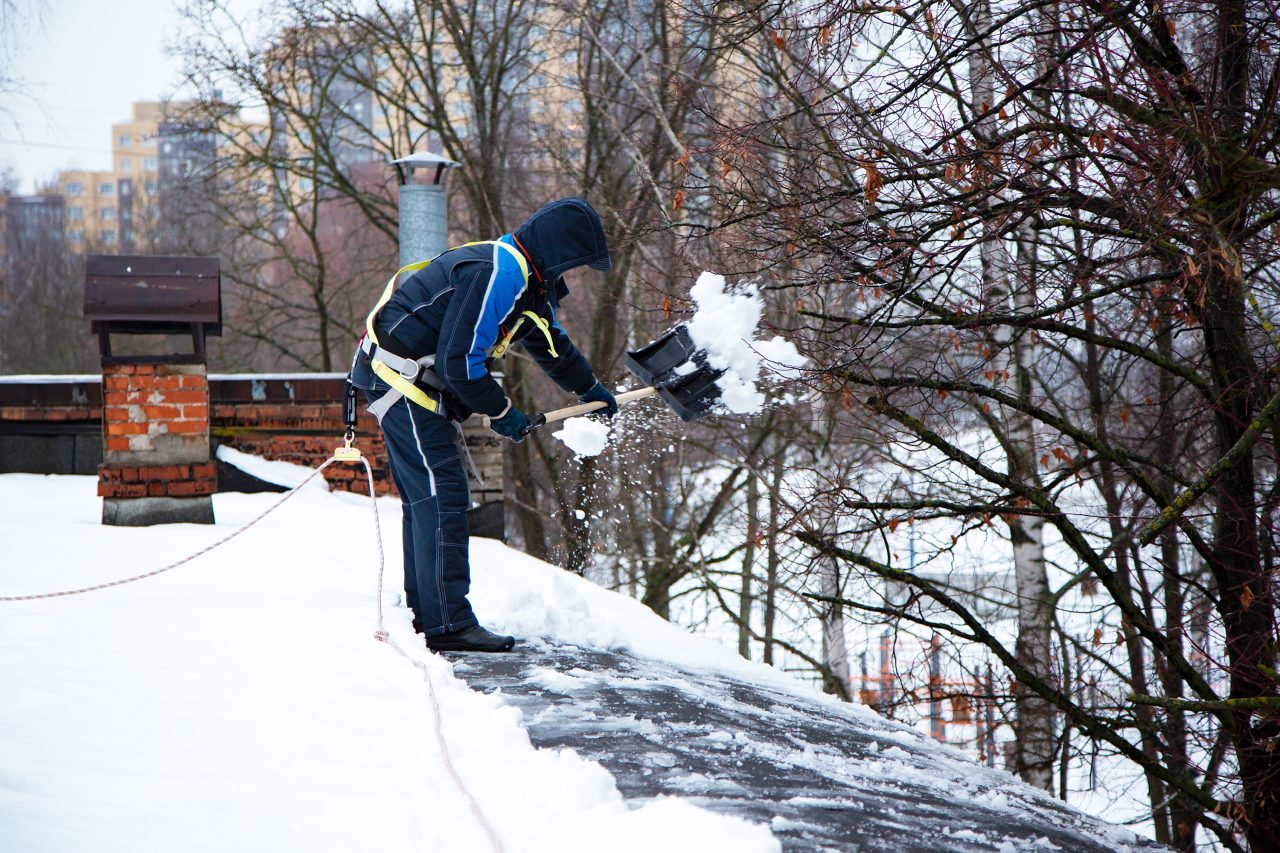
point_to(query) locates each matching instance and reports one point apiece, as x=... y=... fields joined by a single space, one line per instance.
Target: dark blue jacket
x=468 y=299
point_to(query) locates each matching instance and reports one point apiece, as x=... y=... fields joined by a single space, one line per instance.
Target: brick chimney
x=155 y=407
x=155 y=433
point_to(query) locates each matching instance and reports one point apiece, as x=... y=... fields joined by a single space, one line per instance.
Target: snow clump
x=274 y=471
x=584 y=436
x=725 y=326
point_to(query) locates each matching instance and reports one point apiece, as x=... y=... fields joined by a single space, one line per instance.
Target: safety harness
x=403 y=374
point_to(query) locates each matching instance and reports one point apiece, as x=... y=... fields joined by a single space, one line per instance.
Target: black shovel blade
x=679 y=370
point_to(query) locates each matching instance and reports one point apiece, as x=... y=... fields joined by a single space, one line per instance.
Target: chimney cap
x=420 y=160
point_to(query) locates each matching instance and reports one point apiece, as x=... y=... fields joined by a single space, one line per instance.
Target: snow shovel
x=673 y=368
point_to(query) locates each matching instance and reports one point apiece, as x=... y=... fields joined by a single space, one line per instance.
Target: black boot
x=473 y=639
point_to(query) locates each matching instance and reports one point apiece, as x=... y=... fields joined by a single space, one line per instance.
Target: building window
x=106 y=189
x=108 y=236
x=168 y=146
x=74 y=188
x=75 y=236
x=75 y=213
x=150 y=164
x=149 y=186
x=106 y=213
x=125 y=141
x=126 y=186
x=126 y=164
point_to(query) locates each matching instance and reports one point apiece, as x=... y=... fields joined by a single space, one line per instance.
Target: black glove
x=511 y=423
x=600 y=394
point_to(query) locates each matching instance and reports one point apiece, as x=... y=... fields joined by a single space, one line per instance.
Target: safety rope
x=188 y=559
x=380 y=634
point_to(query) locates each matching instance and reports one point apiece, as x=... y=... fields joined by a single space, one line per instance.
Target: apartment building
x=29 y=224
x=90 y=208
x=107 y=210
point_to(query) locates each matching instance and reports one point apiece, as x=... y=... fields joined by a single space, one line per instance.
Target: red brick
x=116 y=443
x=170 y=383
x=204 y=472
x=116 y=413
x=183 y=489
x=186 y=397
x=115 y=383
x=156 y=489
x=143 y=369
x=188 y=427
x=162 y=413
x=194 y=381
x=195 y=412
x=126 y=429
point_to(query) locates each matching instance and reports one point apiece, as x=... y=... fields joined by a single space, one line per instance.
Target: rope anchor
x=348 y=452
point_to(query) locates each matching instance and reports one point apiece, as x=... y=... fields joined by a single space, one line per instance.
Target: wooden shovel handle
x=537 y=421
x=584 y=408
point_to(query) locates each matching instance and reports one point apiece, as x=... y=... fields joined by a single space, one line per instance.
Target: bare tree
x=1037 y=248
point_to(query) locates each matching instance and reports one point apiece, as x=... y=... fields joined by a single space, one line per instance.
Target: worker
x=424 y=366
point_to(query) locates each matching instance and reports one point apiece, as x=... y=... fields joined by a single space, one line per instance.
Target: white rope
x=380 y=634
x=184 y=560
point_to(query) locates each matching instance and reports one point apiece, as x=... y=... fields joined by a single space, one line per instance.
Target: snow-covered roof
x=241 y=702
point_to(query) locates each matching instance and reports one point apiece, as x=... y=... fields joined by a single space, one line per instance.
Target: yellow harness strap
x=393 y=377
x=501 y=348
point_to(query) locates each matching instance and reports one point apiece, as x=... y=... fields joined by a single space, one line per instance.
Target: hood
x=564 y=235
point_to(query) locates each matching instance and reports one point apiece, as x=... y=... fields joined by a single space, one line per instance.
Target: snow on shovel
x=672 y=367
x=710 y=362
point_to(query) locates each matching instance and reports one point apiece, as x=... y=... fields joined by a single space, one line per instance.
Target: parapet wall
x=54 y=425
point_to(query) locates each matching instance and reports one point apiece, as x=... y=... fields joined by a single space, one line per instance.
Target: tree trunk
x=1245 y=594
x=1034 y=721
x=771 y=571
x=523 y=489
x=835 y=654
x=748 y=566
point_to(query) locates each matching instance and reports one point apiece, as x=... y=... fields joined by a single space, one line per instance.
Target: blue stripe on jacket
x=471 y=326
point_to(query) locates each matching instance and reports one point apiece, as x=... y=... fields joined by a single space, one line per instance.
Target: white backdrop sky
x=83 y=63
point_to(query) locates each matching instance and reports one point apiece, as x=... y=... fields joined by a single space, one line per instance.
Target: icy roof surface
x=823 y=778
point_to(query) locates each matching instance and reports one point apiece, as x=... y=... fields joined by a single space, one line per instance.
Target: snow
x=725 y=326
x=42 y=378
x=240 y=702
x=584 y=436
x=278 y=472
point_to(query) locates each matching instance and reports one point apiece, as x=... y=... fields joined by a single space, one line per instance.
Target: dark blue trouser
x=428 y=472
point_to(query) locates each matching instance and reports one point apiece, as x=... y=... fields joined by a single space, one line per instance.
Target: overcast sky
x=83 y=69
